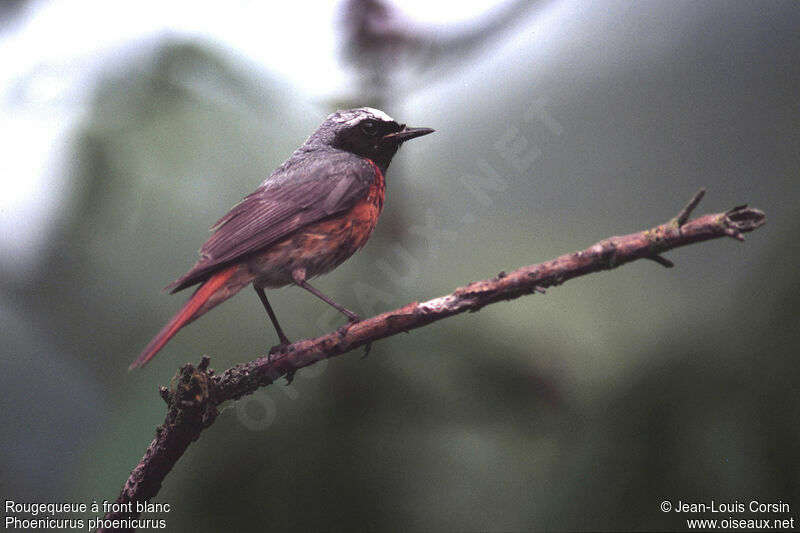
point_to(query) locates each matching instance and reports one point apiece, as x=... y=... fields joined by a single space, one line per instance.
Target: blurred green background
x=582 y=409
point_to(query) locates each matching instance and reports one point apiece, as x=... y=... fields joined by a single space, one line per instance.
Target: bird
x=311 y=214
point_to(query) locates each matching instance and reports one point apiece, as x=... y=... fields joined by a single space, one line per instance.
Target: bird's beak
x=406 y=134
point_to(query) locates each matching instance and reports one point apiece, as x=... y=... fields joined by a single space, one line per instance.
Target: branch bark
x=193 y=401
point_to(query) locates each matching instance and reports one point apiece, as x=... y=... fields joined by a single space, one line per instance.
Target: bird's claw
x=342 y=331
x=278 y=349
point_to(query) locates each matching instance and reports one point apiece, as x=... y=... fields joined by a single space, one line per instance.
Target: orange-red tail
x=188 y=312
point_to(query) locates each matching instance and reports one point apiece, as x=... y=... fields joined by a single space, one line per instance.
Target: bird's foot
x=279 y=349
x=342 y=331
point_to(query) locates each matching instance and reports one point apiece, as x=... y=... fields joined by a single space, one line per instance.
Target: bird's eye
x=369 y=127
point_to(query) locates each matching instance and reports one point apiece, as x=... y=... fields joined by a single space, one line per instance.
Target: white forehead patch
x=351 y=117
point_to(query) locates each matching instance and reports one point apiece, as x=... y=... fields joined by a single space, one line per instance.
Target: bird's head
x=366 y=132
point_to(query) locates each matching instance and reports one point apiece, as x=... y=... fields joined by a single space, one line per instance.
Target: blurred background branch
x=394 y=55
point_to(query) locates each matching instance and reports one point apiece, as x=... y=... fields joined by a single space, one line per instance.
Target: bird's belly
x=319 y=247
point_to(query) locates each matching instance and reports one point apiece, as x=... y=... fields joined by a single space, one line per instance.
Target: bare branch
x=194 y=399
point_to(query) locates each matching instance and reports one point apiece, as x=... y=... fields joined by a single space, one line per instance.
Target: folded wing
x=291 y=199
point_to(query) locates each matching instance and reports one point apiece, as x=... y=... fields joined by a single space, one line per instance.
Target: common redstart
x=313 y=212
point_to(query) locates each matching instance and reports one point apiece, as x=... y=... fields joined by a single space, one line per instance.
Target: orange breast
x=324 y=245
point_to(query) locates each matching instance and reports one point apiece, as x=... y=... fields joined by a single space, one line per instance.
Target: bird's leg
x=284 y=341
x=299 y=277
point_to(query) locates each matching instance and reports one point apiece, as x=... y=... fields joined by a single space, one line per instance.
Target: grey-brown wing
x=288 y=201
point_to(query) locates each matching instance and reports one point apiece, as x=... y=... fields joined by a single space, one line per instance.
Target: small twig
x=686 y=212
x=196 y=393
x=663 y=261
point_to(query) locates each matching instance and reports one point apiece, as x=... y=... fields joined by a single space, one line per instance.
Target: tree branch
x=194 y=399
